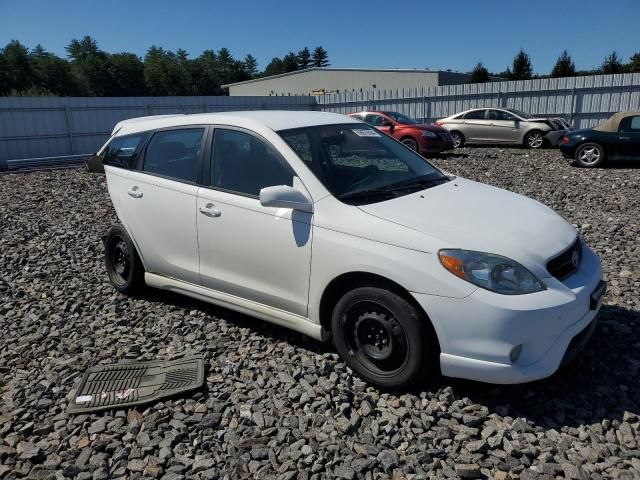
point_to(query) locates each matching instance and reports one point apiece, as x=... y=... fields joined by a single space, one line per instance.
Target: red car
x=426 y=139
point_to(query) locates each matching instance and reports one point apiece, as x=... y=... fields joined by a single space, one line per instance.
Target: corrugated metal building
x=321 y=81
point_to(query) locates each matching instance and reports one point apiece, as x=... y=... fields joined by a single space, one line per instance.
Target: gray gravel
x=280 y=406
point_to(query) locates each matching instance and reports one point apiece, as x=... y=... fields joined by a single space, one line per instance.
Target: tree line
x=90 y=71
x=522 y=68
x=87 y=70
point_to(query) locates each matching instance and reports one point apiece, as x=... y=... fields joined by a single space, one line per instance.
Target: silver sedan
x=503 y=125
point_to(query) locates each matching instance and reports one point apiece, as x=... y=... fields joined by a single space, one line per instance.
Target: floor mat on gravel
x=133 y=383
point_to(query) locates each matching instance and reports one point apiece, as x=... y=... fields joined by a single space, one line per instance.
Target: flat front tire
x=124 y=268
x=383 y=338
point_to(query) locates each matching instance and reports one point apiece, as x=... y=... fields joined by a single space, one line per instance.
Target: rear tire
x=383 y=338
x=534 y=139
x=124 y=268
x=458 y=139
x=590 y=155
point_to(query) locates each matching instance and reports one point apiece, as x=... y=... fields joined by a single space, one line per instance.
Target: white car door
x=158 y=202
x=257 y=253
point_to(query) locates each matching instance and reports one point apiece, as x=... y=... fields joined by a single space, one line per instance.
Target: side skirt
x=254 y=309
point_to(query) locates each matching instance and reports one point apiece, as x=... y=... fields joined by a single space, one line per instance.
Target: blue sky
x=387 y=33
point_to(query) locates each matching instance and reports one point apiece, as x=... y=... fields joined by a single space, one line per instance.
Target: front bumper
x=555 y=136
x=479 y=334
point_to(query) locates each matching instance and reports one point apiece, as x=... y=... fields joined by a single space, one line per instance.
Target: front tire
x=589 y=155
x=383 y=338
x=458 y=139
x=534 y=139
x=124 y=268
x=411 y=143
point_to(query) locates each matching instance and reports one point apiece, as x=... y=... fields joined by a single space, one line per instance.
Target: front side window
x=520 y=113
x=501 y=115
x=358 y=164
x=175 y=153
x=242 y=163
x=375 y=120
x=402 y=119
x=121 y=151
x=630 y=124
x=475 y=115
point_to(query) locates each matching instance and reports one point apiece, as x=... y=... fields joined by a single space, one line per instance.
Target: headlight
x=429 y=133
x=493 y=272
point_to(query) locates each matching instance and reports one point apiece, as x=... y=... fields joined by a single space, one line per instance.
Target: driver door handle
x=134 y=192
x=210 y=211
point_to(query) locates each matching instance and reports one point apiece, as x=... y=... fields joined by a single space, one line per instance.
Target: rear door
x=474 y=126
x=629 y=138
x=257 y=253
x=501 y=127
x=159 y=202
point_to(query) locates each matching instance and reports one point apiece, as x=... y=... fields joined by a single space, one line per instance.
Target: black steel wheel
x=383 y=338
x=124 y=267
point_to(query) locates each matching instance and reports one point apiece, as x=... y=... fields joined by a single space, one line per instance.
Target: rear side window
x=630 y=124
x=122 y=151
x=245 y=164
x=175 y=153
x=475 y=115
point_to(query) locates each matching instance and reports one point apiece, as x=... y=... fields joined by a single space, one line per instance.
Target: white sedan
x=320 y=223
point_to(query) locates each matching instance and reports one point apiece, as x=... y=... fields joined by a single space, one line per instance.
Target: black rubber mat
x=133 y=383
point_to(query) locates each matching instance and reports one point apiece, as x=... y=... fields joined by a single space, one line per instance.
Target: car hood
x=474 y=216
x=427 y=126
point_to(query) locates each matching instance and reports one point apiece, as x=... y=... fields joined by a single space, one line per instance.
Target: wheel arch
x=345 y=282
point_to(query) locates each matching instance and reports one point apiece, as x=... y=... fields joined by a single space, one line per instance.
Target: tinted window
x=359 y=164
x=500 y=115
x=375 y=120
x=403 y=119
x=245 y=164
x=630 y=124
x=121 y=151
x=175 y=153
x=475 y=115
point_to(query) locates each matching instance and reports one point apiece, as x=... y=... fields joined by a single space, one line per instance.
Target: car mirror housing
x=283 y=196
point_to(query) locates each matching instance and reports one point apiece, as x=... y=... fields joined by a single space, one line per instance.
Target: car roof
x=613 y=122
x=273 y=119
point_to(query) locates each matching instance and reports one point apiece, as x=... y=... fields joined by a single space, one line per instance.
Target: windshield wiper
x=363 y=194
x=420 y=183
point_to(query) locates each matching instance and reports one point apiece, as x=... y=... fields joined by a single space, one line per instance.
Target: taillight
x=565 y=139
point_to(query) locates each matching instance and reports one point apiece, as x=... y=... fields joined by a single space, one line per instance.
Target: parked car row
x=616 y=139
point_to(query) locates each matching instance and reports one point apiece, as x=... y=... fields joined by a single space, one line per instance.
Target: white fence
x=584 y=101
x=36 y=127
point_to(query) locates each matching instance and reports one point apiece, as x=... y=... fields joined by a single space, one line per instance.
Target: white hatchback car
x=409 y=270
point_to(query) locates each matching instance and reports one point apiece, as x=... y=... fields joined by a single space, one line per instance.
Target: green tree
x=19 y=71
x=251 y=66
x=4 y=75
x=207 y=73
x=127 y=73
x=162 y=73
x=320 y=57
x=290 y=62
x=521 y=68
x=634 y=63
x=479 y=74
x=611 y=64
x=52 y=73
x=91 y=67
x=564 y=66
x=304 y=58
x=274 y=67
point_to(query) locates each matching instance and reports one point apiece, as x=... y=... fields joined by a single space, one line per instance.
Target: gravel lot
x=278 y=405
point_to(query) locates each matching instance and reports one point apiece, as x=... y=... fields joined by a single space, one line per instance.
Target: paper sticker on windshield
x=365 y=132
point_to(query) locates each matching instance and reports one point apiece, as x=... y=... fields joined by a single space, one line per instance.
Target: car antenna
x=184 y=111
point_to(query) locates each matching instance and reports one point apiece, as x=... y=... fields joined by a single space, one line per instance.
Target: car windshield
x=402 y=119
x=358 y=164
x=520 y=113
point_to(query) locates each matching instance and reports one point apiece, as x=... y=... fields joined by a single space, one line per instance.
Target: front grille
x=567 y=262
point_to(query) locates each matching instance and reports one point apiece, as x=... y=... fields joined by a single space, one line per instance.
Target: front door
x=257 y=253
x=158 y=202
x=629 y=138
x=502 y=127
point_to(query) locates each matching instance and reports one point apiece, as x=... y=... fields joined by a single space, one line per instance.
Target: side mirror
x=283 y=196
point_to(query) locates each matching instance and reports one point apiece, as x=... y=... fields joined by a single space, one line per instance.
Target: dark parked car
x=616 y=139
x=424 y=138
